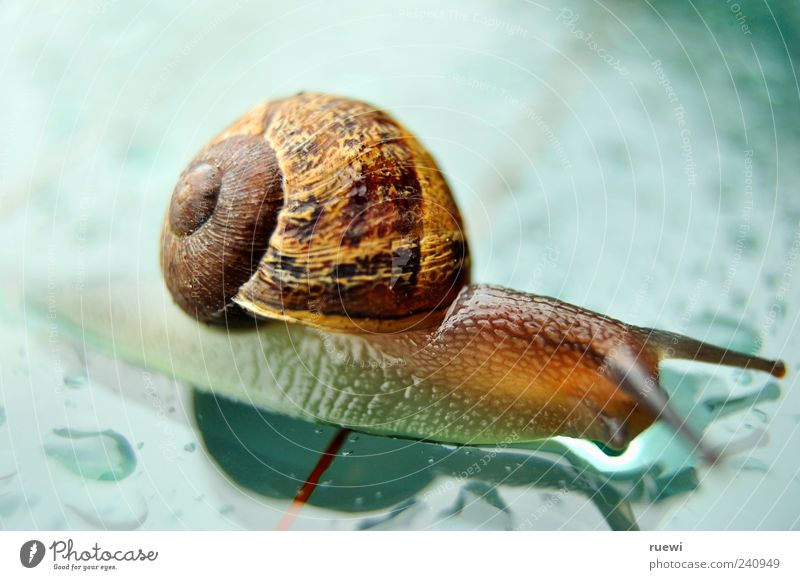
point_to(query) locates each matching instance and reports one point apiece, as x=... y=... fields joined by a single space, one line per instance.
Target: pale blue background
x=571 y=174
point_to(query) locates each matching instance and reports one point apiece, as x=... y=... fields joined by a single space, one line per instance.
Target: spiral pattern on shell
x=315 y=209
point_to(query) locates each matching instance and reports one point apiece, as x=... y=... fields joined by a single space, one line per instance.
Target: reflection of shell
x=322 y=210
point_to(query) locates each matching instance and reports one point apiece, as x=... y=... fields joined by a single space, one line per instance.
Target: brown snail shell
x=340 y=215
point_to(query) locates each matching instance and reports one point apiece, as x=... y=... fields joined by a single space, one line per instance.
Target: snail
x=326 y=212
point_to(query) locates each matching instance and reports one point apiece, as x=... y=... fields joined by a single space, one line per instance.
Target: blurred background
x=636 y=158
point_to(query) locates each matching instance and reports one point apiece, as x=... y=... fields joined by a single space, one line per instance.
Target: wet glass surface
x=638 y=160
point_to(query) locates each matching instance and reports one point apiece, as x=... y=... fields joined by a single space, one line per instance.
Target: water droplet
x=359 y=501
x=110 y=508
x=190 y=447
x=468 y=452
x=430 y=459
x=140 y=445
x=738 y=299
x=74 y=380
x=478 y=505
x=99 y=455
x=779 y=308
x=353 y=438
x=748 y=243
x=346 y=453
x=760 y=415
x=318 y=431
x=750 y=464
x=399 y=517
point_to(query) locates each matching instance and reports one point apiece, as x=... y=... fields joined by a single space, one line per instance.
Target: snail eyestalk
x=675 y=346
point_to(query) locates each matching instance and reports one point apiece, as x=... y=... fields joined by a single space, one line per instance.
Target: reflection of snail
x=325 y=211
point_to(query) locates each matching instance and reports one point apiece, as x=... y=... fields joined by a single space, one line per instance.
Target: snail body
x=326 y=212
